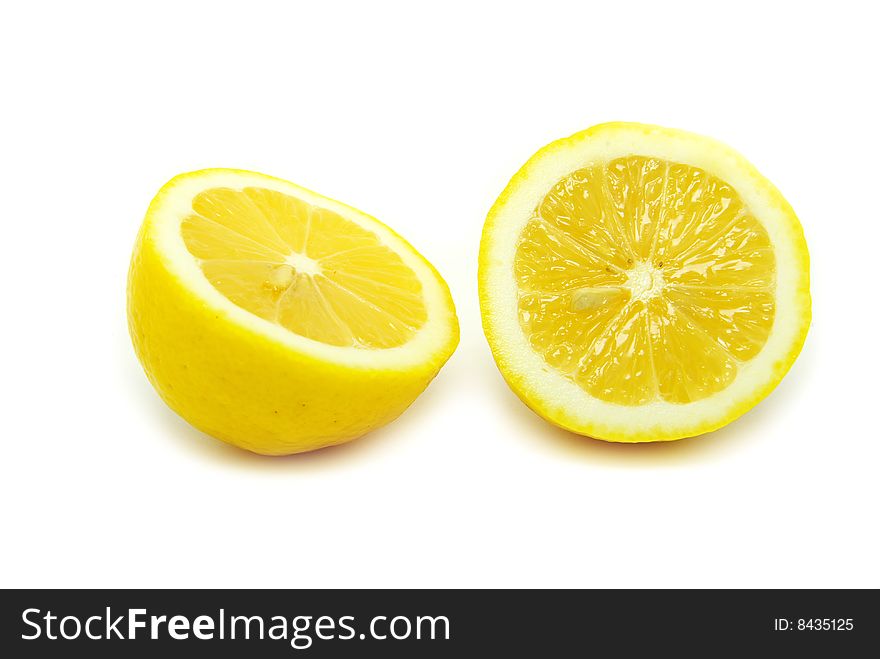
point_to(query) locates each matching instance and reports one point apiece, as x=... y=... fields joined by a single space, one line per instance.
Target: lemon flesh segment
x=279 y=320
x=639 y=283
x=630 y=269
x=305 y=268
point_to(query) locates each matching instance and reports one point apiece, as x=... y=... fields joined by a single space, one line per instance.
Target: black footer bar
x=428 y=623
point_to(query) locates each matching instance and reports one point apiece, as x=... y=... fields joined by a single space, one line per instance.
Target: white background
x=420 y=116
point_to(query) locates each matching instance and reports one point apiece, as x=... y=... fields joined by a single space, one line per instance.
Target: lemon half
x=279 y=320
x=642 y=284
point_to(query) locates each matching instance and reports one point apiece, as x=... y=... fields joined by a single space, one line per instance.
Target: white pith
x=558 y=397
x=302 y=263
x=174 y=203
x=644 y=281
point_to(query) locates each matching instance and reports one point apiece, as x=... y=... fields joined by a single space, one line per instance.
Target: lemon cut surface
x=642 y=284
x=279 y=320
x=303 y=267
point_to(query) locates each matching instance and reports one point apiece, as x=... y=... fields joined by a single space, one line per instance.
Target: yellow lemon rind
x=247 y=381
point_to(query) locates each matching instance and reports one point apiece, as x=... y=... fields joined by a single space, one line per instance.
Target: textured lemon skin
x=230 y=382
x=560 y=415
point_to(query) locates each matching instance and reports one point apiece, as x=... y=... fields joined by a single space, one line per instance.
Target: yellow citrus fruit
x=642 y=284
x=279 y=320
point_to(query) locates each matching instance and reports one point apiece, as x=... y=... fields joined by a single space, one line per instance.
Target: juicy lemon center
x=305 y=268
x=302 y=263
x=642 y=279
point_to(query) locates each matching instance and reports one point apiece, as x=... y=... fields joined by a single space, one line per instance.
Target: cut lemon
x=279 y=320
x=642 y=284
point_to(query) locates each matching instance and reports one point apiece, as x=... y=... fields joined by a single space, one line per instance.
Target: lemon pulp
x=641 y=279
x=303 y=267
